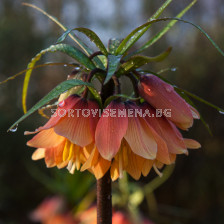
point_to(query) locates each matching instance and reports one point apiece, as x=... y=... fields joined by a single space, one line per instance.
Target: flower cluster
x=117 y=143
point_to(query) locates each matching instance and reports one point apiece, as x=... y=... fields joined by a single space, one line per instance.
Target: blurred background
x=194 y=193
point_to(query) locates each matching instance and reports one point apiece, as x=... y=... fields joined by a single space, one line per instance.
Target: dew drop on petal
x=14 y=129
x=61 y=104
x=168 y=88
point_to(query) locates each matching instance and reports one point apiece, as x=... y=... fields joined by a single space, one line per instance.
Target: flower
x=122 y=139
x=67 y=139
x=162 y=95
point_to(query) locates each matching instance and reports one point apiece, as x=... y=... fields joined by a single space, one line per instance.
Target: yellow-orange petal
x=38 y=154
x=92 y=160
x=147 y=166
x=45 y=139
x=192 y=144
x=135 y=164
x=114 y=170
x=49 y=157
x=101 y=167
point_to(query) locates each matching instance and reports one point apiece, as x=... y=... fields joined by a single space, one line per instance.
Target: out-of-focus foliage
x=194 y=193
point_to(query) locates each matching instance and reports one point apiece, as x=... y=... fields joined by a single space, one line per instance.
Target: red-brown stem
x=104 y=200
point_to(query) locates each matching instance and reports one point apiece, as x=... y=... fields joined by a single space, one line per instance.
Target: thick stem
x=104 y=200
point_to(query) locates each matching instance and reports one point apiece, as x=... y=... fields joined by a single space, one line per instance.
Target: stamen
x=157 y=171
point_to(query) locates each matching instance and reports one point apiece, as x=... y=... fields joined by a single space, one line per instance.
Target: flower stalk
x=104 y=200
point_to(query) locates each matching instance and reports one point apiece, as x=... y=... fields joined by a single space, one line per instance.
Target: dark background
x=195 y=191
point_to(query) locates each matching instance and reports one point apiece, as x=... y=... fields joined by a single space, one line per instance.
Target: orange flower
x=162 y=95
x=62 y=140
x=121 y=140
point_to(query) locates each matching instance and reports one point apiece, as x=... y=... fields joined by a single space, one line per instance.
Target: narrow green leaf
x=131 y=37
x=82 y=45
x=67 y=49
x=164 y=30
x=90 y=34
x=113 y=63
x=62 y=87
x=137 y=61
x=137 y=33
x=220 y=110
x=160 y=10
x=188 y=100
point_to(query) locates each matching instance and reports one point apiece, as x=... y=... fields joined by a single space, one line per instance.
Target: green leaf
x=137 y=33
x=188 y=100
x=160 y=10
x=113 y=45
x=113 y=63
x=180 y=20
x=62 y=87
x=137 y=61
x=90 y=34
x=96 y=95
x=109 y=99
x=37 y=66
x=83 y=46
x=67 y=49
x=220 y=110
x=164 y=30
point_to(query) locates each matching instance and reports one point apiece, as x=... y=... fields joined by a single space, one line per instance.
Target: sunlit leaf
x=96 y=95
x=90 y=34
x=160 y=10
x=113 y=45
x=67 y=49
x=37 y=66
x=113 y=63
x=137 y=61
x=164 y=30
x=82 y=45
x=62 y=87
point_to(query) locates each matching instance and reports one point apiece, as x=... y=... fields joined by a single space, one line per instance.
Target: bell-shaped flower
x=162 y=95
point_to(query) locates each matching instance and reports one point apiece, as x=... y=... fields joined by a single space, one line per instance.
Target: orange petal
x=162 y=95
x=114 y=170
x=101 y=167
x=139 y=137
x=167 y=130
x=61 y=112
x=135 y=164
x=38 y=154
x=147 y=166
x=45 y=139
x=110 y=131
x=77 y=126
x=49 y=157
x=192 y=144
x=92 y=160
